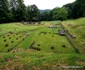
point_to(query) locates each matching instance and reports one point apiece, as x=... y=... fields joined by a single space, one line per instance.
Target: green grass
x=77 y=28
x=41 y=61
x=23 y=58
x=45 y=41
x=13 y=37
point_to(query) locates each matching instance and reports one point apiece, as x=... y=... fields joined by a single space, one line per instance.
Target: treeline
x=76 y=9
x=16 y=11
x=69 y=11
x=54 y=14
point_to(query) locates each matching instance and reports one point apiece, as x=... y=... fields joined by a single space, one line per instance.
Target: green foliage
x=12 y=10
x=4 y=10
x=45 y=15
x=62 y=14
x=75 y=10
x=16 y=11
x=33 y=13
x=21 y=11
x=51 y=15
x=78 y=9
x=69 y=9
x=55 y=14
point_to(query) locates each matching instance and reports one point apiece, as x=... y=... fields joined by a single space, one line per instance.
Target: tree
x=21 y=11
x=69 y=8
x=33 y=13
x=78 y=9
x=50 y=17
x=28 y=13
x=13 y=8
x=18 y=10
x=75 y=9
x=82 y=8
x=54 y=12
x=4 y=11
x=45 y=15
x=62 y=14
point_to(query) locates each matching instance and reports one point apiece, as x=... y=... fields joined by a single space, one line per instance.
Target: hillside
x=41 y=47
x=76 y=28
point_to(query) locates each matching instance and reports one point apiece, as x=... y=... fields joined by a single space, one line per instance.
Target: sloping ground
x=77 y=28
x=30 y=60
x=43 y=41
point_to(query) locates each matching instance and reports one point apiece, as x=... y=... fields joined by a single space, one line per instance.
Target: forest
x=16 y=11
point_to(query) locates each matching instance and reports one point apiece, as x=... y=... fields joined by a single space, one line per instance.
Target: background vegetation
x=16 y=11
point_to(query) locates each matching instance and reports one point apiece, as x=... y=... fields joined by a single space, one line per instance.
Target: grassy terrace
x=43 y=41
x=76 y=28
x=31 y=60
x=51 y=56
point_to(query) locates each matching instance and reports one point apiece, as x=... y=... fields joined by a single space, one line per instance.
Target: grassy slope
x=34 y=60
x=45 y=41
x=77 y=28
x=40 y=61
